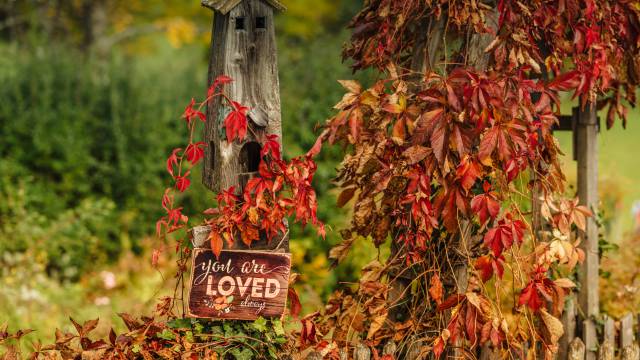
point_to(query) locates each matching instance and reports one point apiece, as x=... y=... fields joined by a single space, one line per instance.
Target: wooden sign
x=239 y=285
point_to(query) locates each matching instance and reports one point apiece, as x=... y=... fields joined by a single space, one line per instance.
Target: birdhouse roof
x=224 y=6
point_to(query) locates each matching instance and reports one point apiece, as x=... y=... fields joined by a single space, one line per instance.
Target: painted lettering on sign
x=240 y=285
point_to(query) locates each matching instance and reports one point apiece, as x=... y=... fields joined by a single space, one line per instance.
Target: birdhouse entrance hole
x=240 y=23
x=261 y=22
x=250 y=157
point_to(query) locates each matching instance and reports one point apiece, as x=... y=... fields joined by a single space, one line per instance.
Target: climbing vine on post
x=444 y=154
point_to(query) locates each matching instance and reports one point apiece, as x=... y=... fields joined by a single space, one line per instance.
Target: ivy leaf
x=503 y=236
x=485 y=205
x=416 y=153
x=173 y=160
x=435 y=290
x=345 y=196
x=278 y=328
x=236 y=122
x=190 y=113
x=183 y=182
x=216 y=243
x=166 y=334
x=195 y=152
x=260 y=324
x=296 y=307
x=243 y=353
x=467 y=172
x=488 y=265
x=553 y=326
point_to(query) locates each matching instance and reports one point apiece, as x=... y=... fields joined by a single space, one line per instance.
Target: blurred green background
x=91 y=94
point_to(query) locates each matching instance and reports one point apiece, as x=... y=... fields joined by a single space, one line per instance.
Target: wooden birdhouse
x=244 y=48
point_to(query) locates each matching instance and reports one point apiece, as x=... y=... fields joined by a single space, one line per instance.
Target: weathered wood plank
x=199 y=236
x=631 y=352
x=606 y=351
x=389 y=348
x=569 y=325
x=361 y=352
x=609 y=329
x=626 y=330
x=607 y=348
x=576 y=350
x=587 y=158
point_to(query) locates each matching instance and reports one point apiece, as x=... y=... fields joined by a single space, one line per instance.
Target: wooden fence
x=616 y=341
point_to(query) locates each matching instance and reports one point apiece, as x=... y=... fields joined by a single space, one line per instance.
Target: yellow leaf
x=553 y=325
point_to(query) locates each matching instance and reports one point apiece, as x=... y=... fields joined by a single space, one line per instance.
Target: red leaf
x=502 y=237
x=190 y=113
x=173 y=160
x=154 y=257
x=315 y=150
x=488 y=265
x=236 y=122
x=487 y=145
x=183 y=182
x=271 y=146
x=452 y=98
x=485 y=206
x=564 y=82
x=439 y=142
x=195 y=152
x=468 y=171
x=219 y=81
x=451 y=301
x=438 y=347
x=295 y=302
x=529 y=296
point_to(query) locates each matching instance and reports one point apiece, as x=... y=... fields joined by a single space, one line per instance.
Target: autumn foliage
x=444 y=155
x=447 y=151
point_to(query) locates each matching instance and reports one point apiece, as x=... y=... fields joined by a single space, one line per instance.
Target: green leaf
x=166 y=334
x=242 y=354
x=198 y=327
x=277 y=327
x=179 y=324
x=189 y=337
x=260 y=324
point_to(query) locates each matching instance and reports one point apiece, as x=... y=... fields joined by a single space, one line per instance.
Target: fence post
x=569 y=325
x=607 y=348
x=626 y=331
x=576 y=350
x=586 y=144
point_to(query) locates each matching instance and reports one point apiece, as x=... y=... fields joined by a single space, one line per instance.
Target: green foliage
x=260 y=339
x=83 y=148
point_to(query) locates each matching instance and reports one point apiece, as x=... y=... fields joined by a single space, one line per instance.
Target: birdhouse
x=244 y=48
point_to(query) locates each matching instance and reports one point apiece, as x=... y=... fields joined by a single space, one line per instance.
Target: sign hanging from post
x=239 y=285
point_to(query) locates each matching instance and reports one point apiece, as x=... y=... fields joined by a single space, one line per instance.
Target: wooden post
x=607 y=348
x=576 y=350
x=626 y=331
x=569 y=325
x=243 y=47
x=587 y=157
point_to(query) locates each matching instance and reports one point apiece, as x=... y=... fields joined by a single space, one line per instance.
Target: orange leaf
x=216 y=243
x=436 y=289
